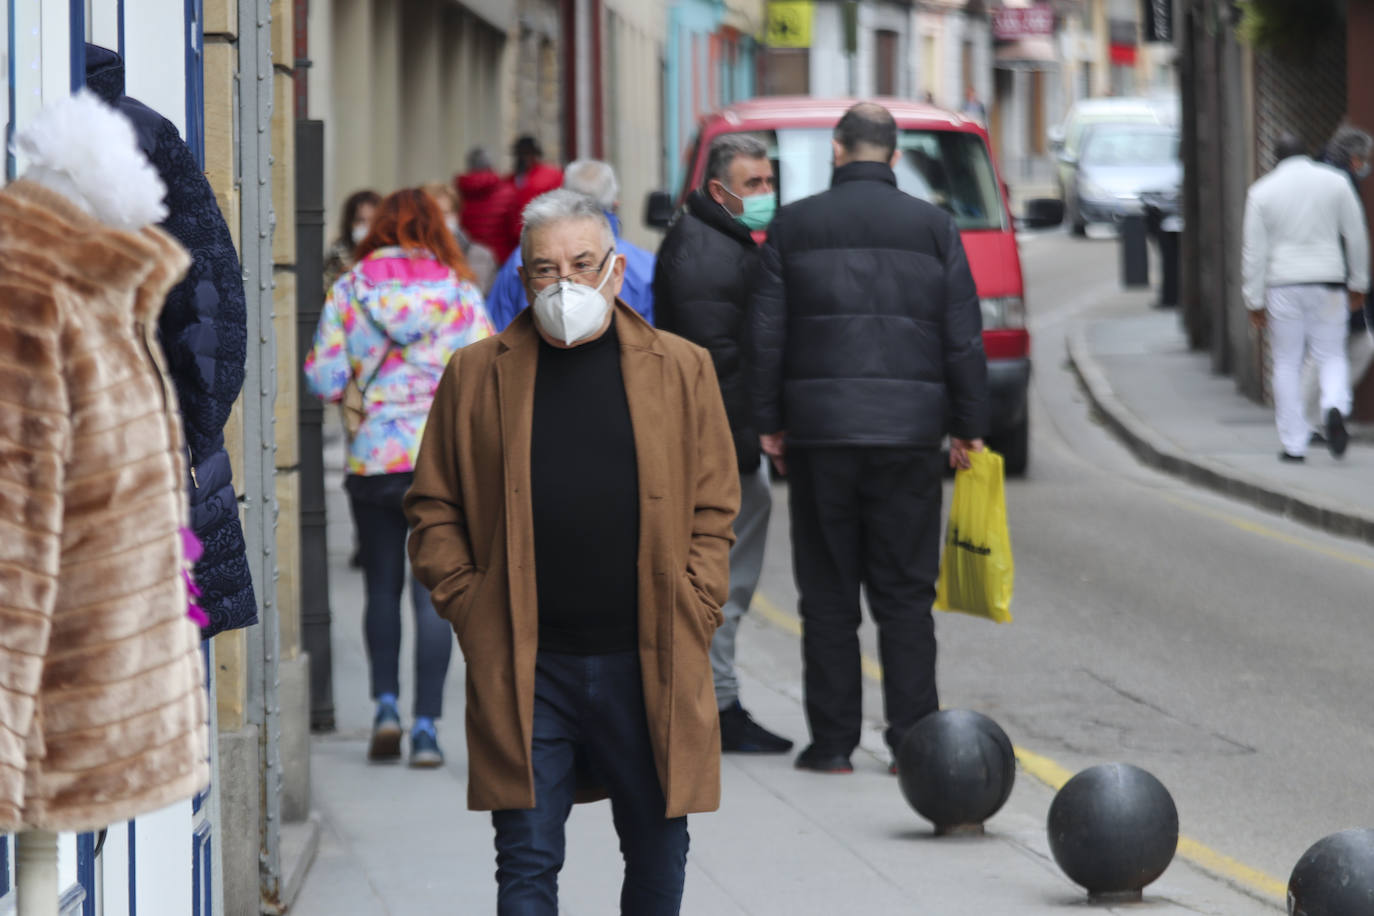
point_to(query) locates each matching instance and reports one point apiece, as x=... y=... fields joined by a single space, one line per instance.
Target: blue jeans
x=589 y=719
x=382 y=532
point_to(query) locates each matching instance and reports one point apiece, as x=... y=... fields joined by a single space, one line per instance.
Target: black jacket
x=1359 y=321
x=203 y=329
x=703 y=276
x=865 y=327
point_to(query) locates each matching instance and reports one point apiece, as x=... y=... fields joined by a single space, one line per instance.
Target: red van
x=945 y=160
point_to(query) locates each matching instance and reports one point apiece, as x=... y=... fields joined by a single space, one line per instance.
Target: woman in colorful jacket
x=391 y=323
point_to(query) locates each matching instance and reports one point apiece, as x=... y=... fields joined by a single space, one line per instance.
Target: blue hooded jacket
x=507 y=296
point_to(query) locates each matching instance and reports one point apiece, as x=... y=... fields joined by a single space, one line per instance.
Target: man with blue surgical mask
x=702 y=282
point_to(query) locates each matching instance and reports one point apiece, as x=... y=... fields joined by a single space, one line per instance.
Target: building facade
x=208 y=67
x=711 y=59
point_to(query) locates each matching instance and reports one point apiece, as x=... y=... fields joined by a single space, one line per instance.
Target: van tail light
x=1003 y=312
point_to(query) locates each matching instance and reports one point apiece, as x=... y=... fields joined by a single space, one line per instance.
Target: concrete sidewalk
x=1164 y=402
x=397 y=841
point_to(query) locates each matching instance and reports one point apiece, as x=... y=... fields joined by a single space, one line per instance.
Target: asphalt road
x=1225 y=650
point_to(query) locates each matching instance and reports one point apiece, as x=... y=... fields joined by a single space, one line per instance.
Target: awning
x=1122 y=55
x=1035 y=53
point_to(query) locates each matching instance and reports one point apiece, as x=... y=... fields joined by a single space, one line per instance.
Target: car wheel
x=1014 y=447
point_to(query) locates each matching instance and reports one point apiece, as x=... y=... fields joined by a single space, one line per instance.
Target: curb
x=1157 y=451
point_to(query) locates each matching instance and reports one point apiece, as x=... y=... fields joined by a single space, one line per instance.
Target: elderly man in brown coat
x=572 y=512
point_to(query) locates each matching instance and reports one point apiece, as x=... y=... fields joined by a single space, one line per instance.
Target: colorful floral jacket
x=392 y=322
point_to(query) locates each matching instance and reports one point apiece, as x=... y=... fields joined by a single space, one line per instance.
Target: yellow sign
x=789 y=23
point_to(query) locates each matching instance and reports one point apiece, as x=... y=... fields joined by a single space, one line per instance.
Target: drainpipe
x=254 y=142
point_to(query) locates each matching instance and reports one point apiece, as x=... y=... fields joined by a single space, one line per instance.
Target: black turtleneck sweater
x=585 y=488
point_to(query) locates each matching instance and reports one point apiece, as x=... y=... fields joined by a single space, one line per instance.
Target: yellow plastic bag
x=976 y=570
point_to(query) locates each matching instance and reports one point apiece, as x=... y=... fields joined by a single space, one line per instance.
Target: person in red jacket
x=487 y=206
x=532 y=177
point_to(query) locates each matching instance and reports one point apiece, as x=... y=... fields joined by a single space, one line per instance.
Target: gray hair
x=562 y=206
x=595 y=179
x=1349 y=141
x=479 y=160
x=724 y=150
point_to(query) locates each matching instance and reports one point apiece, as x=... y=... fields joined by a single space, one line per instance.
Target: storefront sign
x=789 y=23
x=1159 y=20
x=1014 y=23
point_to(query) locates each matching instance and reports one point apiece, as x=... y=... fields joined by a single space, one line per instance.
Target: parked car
x=944 y=160
x=1066 y=140
x=1117 y=164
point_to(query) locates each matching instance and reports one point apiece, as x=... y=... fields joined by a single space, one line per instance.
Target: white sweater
x=1303 y=224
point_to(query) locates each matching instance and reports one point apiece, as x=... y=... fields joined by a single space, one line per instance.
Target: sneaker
x=424 y=750
x=821 y=762
x=1291 y=458
x=740 y=734
x=386 y=734
x=1336 y=436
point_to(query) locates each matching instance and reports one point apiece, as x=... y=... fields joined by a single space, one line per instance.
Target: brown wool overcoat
x=473 y=547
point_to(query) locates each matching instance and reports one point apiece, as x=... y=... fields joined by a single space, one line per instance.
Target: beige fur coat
x=102 y=702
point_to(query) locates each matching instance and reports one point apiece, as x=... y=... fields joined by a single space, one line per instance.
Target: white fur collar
x=87 y=151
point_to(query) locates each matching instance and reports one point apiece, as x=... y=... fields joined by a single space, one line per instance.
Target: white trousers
x=1308 y=318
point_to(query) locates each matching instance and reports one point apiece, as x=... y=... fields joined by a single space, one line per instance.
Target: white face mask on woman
x=359 y=232
x=569 y=311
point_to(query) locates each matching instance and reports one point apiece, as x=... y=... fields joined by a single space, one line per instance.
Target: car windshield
x=950 y=169
x=1109 y=147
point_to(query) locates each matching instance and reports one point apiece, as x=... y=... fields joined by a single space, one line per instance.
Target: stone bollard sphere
x=1113 y=829
x=1335 y=877
x=956 y=768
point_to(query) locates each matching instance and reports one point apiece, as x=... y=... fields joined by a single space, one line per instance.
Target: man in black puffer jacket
x=865 y=351
x=704 y=273
x=204 y=333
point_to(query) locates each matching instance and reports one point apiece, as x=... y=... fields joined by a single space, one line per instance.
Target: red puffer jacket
x=540 y=179
x=488 y=211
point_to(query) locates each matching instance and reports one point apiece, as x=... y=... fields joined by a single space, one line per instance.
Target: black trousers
x=865 y=517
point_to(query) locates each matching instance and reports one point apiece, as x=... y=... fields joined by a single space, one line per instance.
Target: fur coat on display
x=103 y=708
x=203 y=330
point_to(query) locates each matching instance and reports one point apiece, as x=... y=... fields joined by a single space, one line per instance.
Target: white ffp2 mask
x=571 y=312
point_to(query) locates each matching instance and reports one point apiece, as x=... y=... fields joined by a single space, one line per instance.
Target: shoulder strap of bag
x=391 y=344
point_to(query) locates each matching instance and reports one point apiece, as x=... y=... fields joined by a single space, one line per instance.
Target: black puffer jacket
x=703 y=276
x=204 y=333
x=865 y=325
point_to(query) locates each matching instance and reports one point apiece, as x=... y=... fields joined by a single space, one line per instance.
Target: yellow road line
x=1054 y=774
x=1237 y=872
x=1267 y=532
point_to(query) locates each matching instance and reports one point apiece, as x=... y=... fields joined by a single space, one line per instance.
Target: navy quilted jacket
x=203 y=330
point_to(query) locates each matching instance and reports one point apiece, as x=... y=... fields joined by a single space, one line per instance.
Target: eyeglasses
x=546 y=275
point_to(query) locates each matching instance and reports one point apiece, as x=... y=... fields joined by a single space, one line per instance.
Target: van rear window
x=950 y=169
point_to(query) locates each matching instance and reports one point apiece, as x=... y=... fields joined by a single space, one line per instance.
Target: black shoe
x=1291 y=459
x=740 y=734
x=821 y=762
x=386 y=734
x=1336 y=436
